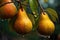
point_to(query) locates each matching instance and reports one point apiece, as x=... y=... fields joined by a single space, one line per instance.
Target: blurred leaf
x=53 y=14
x=10 y=28
x=57 y=29
x=34 y=6
x=31 y=18
x=45 y=1
x=7 y=29
x=35 y=23
x=25 y=7
x=26 y=0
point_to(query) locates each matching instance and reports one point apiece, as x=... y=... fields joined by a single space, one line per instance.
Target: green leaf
x=53 y=14
x=31 y=18
x=34 y=6
x=34 y=21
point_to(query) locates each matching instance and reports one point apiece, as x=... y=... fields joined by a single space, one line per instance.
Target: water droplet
x=35 y=15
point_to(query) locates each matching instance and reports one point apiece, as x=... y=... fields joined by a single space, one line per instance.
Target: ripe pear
x=22 y=23
x=45 y=25
x=7 y=10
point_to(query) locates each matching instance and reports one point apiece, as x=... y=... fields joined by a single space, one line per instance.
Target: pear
x=22 y=23
x=7 y=10
x=45 y=25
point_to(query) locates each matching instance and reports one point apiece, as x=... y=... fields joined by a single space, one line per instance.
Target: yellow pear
x=45 y=26
x=22 y=24
x=7 y=10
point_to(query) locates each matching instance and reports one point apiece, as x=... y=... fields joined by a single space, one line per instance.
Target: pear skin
x=22 y=24
x=45 y=26
x=5 y=1
x=8 y=10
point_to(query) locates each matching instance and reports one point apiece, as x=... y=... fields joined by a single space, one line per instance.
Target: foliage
x=53 y=14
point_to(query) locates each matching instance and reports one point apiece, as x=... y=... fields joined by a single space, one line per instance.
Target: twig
x=19 y=1
x=42 y=10
x=13 y=2
x=5 y=3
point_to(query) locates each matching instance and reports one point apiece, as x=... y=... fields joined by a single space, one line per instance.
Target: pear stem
x=19 y=1
x=42 y=10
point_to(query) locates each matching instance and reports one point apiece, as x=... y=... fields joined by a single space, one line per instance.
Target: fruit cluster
x=23 y=23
